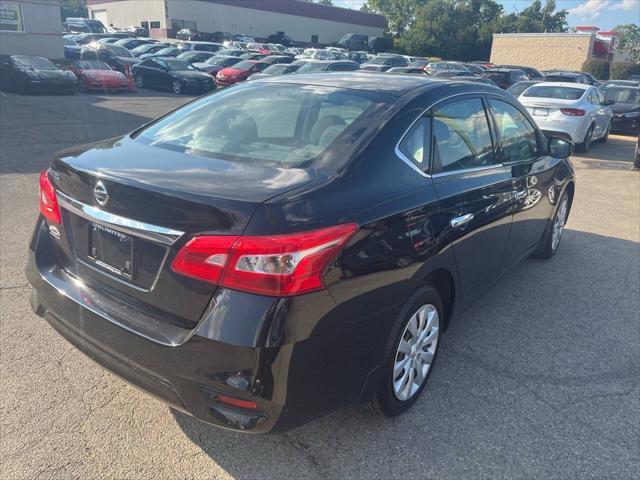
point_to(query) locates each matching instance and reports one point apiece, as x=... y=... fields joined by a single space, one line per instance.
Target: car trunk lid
x=127 y=209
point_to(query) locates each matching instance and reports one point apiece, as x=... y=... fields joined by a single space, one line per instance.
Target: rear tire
x=553 y=235
x=406 y=368
x=605 y=138
x=585 y=146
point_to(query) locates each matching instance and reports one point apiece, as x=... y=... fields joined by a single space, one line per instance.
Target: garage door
x=100 y=15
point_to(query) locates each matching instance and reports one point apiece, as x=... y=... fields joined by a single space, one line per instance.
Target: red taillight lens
x=279 y=265
x=48 y=201
x=236 y=402
x=573 y=112
x=204 y=258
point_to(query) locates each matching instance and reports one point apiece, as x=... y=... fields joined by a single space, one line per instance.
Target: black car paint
x=155 y=76
x=15 y=78
x=302 y=356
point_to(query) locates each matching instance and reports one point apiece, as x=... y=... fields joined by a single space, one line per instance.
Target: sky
x=605 y=14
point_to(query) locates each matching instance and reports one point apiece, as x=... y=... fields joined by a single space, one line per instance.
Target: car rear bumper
x=572 y=128
x=291 y=375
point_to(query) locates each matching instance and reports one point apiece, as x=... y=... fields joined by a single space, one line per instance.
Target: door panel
x=522 y=150
x=482 y=199
x=475 y=192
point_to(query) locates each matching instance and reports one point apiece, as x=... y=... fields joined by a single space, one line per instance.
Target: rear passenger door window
x=461 y=136
x=519 y=138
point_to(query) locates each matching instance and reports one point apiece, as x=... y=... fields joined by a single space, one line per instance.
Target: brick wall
x=542 y=51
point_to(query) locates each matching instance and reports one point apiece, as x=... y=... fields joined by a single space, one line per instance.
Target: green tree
x=324 y=2
x=536 y=18
x=629 y=39
x=400 y=14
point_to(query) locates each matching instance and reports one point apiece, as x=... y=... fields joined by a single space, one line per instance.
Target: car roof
x=564 y=74
x=374 y=82
x=624 y=87
x=502 y=70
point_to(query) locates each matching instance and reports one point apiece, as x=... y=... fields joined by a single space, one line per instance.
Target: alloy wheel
x=588 y=139
x=558 y=224
x=139 y=81
x=415 y=352
x=177 y=86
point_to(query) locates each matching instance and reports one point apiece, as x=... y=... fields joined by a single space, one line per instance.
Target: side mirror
x=606 y=103
x=560 y=148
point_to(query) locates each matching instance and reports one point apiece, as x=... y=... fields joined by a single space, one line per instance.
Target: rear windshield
x=313 y=67
x=623 y=95
x=517 y=88
x=561 y=93
x=276 y=69
x=178 y=65
x=560 y=78
x=284 y=124
x=496 y=76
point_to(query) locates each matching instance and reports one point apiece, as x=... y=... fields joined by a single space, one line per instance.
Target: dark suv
x=505 y=77
x=270 y=252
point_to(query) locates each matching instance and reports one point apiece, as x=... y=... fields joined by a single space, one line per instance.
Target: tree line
x=461 y=29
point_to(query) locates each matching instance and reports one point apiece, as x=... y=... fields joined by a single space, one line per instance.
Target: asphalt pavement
x=538 y=379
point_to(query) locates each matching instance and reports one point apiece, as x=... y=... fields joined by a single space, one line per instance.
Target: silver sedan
x=575 y=111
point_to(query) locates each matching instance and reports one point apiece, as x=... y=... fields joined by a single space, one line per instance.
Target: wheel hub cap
x=415 y=352
x=558 y=224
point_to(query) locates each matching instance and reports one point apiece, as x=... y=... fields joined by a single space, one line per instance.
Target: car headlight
x=631 y=115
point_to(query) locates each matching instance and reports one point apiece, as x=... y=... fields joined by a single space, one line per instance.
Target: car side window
x=161 y=64
x=148 y=63
x=593 y=98
x=519 y=138
x=601 y=98
x=461 y=136
x=415 y=144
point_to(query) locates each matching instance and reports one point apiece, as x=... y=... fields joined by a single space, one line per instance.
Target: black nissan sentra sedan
x=277 y=249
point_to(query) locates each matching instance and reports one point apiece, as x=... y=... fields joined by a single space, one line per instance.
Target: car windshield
x=623 y=95
x=246 y=65
x=379 y=60
x=92 y=65
x=167 y=51
x=146 y=47
x=283 y=124
x=176 y=65
x=550 y=91
x=276 y=69
x=39 y=63
x=517 y=88
x=117 y=51
x=313 y=67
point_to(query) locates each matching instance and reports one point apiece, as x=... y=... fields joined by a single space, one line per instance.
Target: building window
x=180 y=24
x=154 y=24
x=11 y=17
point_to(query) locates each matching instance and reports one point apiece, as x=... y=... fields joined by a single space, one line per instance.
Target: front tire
x=177 y=87
x=139 y=81
x=410 y=353
x=553 y=235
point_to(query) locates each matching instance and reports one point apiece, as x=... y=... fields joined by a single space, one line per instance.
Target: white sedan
x=571 y=110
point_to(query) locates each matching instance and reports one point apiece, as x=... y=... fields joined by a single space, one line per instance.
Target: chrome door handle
x=462 y=220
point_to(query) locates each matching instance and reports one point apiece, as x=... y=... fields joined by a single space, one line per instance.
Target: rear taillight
x=573 y=112
x=48 y=201
x=279 y=265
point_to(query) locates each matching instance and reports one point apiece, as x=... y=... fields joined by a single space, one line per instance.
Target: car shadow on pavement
x=617 y=153
x=536 y=379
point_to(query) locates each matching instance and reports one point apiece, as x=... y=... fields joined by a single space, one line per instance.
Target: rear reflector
x=573 y=112
x=48 y=200
x=236 y=402
x=278 y=265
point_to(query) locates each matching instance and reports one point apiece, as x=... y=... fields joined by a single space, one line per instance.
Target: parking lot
x=539 y=378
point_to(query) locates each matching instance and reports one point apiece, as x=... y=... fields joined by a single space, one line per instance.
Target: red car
x=239 y=72
x=97 y=75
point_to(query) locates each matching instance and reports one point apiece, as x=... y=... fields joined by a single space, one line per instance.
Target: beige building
x=546 y=51
x=31 y=27
x=301 y=20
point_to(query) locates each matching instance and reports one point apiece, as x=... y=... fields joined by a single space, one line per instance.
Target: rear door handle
x=462 y=220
